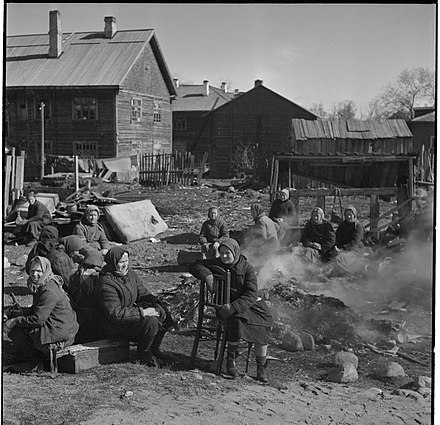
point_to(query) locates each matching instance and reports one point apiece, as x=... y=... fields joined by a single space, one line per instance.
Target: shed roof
x=192 y=98
x=425 y=118
x=349 y=129
x=88 y=59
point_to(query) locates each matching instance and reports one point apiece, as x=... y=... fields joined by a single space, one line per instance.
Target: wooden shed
x=389 y=137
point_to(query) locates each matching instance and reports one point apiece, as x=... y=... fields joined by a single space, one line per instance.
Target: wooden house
x=248 y=130
x=191 y=109
x=423 y=127
x=102 y=94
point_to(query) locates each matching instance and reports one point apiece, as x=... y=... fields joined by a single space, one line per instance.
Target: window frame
x=157 y=117
x=84 y=107
x=135 y=110
x=178 y=123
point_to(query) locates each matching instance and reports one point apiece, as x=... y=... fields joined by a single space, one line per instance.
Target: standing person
x=213 y=231
x=128 y=309
x=318 y=237
x=248 y=317
x=38 y=216
x=262 y=237
x=282 y=211
x=50 y=320
x=92 y=232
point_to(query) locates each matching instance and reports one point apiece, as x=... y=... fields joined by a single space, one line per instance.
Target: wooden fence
x=164 y=169
x=13 y=179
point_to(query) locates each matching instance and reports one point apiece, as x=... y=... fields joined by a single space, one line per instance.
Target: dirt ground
x=298 y=392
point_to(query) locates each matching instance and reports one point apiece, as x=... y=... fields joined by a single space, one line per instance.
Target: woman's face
x=283 y=196
x=122 y=266
x=349 y=216
x=316 y=217
x=36 y=272
x=93 y=217
x=226 y=255
x=212 y=214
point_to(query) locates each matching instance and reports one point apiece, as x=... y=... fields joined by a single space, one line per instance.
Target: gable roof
x=349 y=129
x=88 y=59
x=192 y=98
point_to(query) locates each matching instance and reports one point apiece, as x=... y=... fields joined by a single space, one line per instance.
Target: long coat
x=321 y=233
x=213 y=231
x=349 y=235
x=93 y=235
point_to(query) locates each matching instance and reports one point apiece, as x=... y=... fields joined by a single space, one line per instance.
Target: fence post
x=76 y=173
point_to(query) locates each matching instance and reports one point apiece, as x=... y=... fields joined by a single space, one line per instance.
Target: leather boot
x=231 y=366
x=261 y=369
x=155 y=347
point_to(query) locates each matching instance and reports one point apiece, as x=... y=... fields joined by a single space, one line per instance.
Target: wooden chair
x=208 y=300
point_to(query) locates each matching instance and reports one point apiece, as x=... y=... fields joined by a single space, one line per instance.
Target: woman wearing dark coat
x=247 y=315
x=282 y=212
x=318 y=237
x=128 y=309
x=50 y=320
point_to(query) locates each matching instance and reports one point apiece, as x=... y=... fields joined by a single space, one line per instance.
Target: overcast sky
x=308 y=53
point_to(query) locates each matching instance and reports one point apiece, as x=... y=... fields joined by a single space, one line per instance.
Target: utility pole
x=42 y=138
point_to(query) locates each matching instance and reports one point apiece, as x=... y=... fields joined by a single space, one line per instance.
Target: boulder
x=344 y=374
x=292 y=342
x=374 y=393
x=21 y=261
x=308 y=341
x=345 y=357
x=409 y=393
x=390 y=370
x=422 y=381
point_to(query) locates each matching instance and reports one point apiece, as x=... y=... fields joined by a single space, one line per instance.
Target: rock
x=423 y=381
x=424 y=391
x=21 y=261
x=390 y=370
x=345 y=374
x=232 y=189
x=6 y=263
x=409 y=393
x=197 y=376
x=292 y=342
x=344 y=357
x=373 y=393
x=308 y=341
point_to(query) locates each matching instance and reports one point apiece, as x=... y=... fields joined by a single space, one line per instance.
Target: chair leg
x=222 y=350
x=198 y=330
x=250 y=344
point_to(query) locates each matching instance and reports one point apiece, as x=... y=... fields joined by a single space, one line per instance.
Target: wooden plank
x=374 y=210
x=7 y=184
x=365 y=191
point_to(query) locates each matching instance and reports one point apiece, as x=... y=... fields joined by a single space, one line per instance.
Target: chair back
x=221 y=293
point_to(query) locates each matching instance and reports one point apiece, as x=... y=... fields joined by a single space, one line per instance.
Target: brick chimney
x=206 y=88
x=176 y=82
x=224 y=87
x=110 y=26
x=258 y=83
x=55 y=34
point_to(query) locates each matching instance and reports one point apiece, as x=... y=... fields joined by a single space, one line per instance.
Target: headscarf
x=72 y=243
x=45 y=278
x=233 y=246
x=320 y=212
x=113 y=257
x=352 y=209
x=88 y=210
x=48 y=239
x=258 y=210
x=92 y=259
x=286 y=191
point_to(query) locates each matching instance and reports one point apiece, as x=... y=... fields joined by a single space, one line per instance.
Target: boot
x=231 y=366
x=155 y=347
x=261 y=369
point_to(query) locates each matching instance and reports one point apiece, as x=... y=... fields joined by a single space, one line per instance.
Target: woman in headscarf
x=128 y=309
x=49 y=321
x=318 y=237
x=91 y=231
x=212 y=232
x=248 y=317
x=282 y=211
x=49 y=246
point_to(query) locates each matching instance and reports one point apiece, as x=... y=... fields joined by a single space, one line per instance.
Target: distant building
x=105 y=94
x=423 y=127
x=246 y=131
x=191 y=109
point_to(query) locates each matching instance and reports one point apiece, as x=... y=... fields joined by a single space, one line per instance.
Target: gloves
x=224 y=311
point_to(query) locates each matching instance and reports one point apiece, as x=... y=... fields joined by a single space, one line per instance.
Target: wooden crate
x=77 y=358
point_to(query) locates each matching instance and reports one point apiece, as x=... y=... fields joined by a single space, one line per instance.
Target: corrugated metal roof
x=350 y=129
x=192 y=98
x=427 y=117
x=88 y=59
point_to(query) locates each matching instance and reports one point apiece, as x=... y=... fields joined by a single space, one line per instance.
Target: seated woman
x=49 y=246
x=318 y=237
x=248 y=317
x=348 y=247
x=212 y=232
x=50 y=320
x=92 y=232
x=128 y=310
x=282 y=211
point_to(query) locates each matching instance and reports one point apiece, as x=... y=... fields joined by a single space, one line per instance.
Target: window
x=85 y=149
x=22 y=110
x=84 y=108
x=136 y=110
x=180 y=123
x=156 y=113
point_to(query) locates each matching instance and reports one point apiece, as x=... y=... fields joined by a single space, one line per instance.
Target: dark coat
x=93 y=235
x=321 y=233
x=118 y=298
x=244 y=289
x=51 y=313
x=39 y=212
x=349 y=235
x=213 y=231
x=282 y=209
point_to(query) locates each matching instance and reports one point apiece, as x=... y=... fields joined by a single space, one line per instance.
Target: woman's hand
x=8 y=325
x=150 y=312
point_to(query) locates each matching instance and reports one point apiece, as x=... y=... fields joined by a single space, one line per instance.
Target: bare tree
x=318 y=109
x=412 y=87
x=343 y=110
